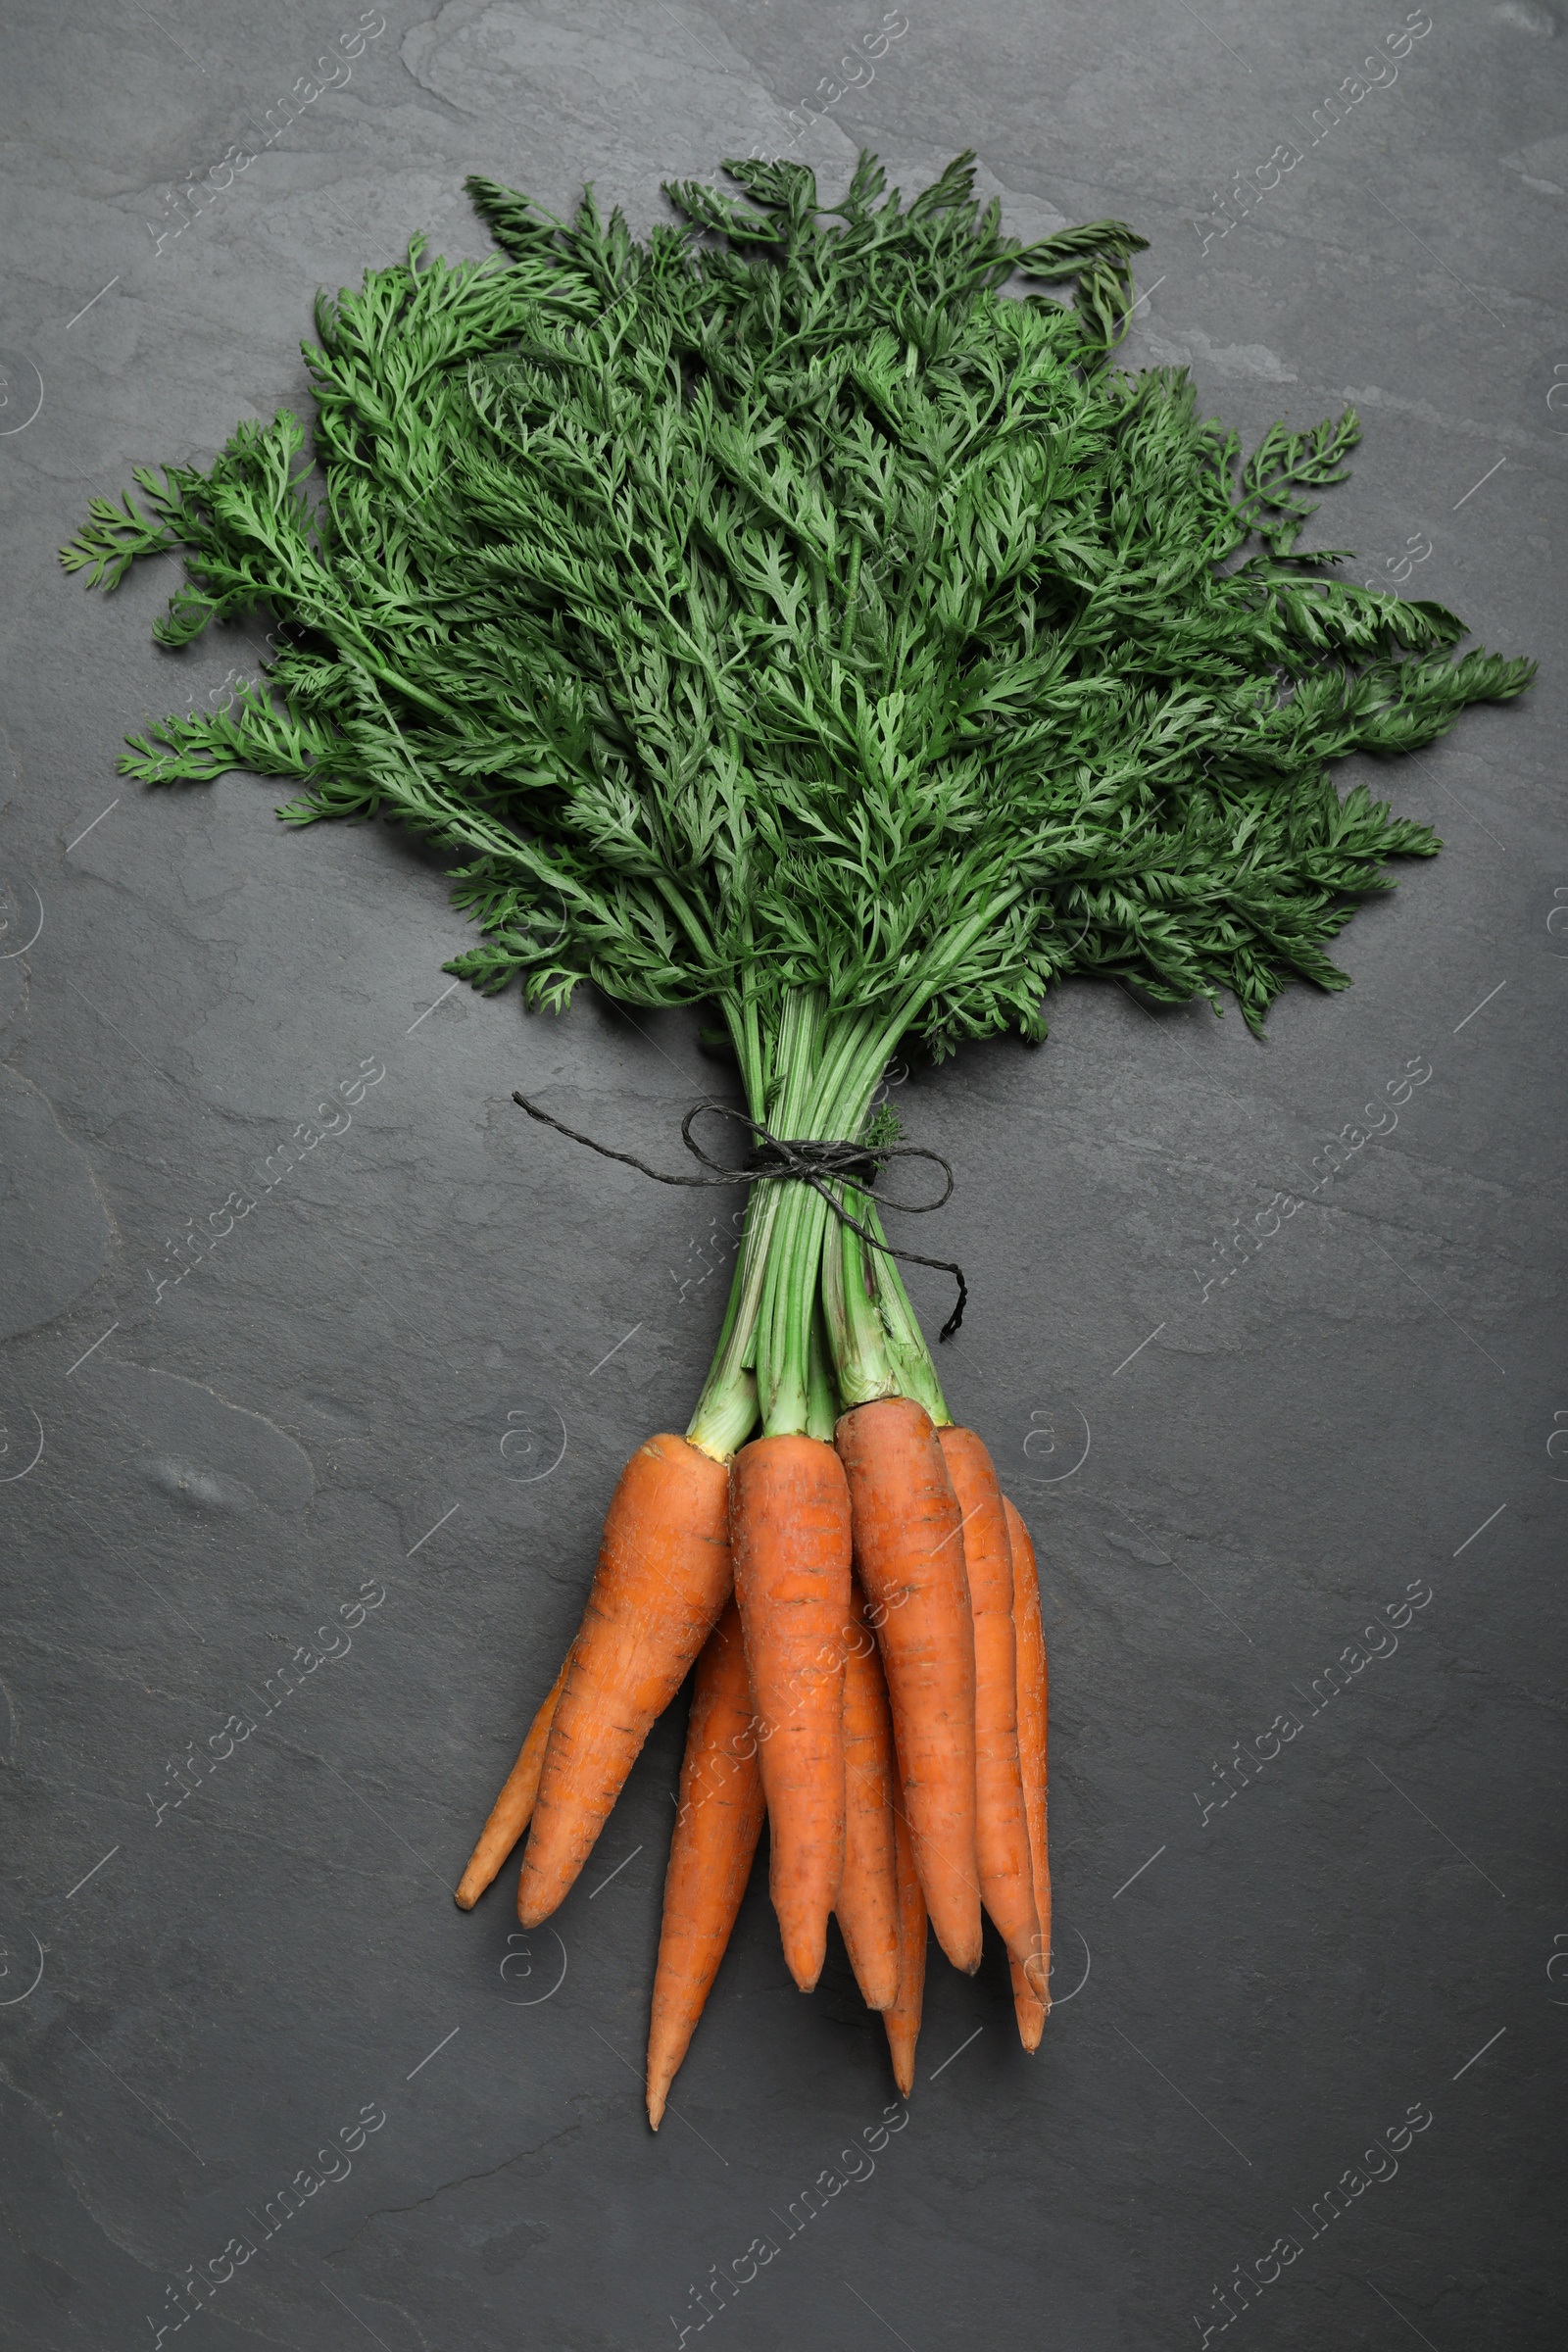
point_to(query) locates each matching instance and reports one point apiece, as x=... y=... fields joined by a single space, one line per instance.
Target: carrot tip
x=655 y=2110
x=465 y=1902
x=804 y=1953
x=879 y=1999
x=966 y=1956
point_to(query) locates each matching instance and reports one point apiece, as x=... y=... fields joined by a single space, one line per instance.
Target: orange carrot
x=908 y=1553
x=512 y=1809
x=1002 y=1824
x=663 y=1577
x=1031 y=1991
x=868 y=1897
x=903 y=2019
x=717 y=1828
x=790 y=1533
x=1029 y=2010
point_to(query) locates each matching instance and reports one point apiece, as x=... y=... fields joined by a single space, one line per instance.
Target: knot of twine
x=776 y=1159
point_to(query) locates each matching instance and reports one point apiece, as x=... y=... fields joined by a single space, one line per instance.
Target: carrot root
x=790 y=1536
x=663 y=1580
x=867 y=1907
x=903 y=2017
x=512 y=1809
x=1031 y=1996
x=717 y=1828
x=1002 y=1822
x=908 y=1553
x=1028 y=2008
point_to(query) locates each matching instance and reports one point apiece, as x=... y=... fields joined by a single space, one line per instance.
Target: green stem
x=727 y=1406
x=786 y=1403
x=952 y=951
x=824 y=1073
x=878 y=1347
x=784 y=1322
x=855 y=1332
x=745 y=1035
x=844 y=1086
x=916 y=1372
x=753 y=1053
x=782 y=1328
x=851 y=591
x=821 y=1409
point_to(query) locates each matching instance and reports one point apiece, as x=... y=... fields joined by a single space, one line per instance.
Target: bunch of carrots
x=865 y=1619
x=780 y=615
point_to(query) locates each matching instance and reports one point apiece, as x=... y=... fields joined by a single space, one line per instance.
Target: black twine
x=801 y=1162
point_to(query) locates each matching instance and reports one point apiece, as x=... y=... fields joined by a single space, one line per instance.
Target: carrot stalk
x=1031 y=1990
x=662 y=1579
x=512 y=1809
x=1001 y=1823
x=903 y=2019
x=717 y=1828
x=868 y=1897
x=908 y=1553
x=790 y=1533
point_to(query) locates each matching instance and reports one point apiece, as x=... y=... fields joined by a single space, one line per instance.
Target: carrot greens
x=780 y=613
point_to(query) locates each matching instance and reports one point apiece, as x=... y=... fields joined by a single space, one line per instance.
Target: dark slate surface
x=386 y=1380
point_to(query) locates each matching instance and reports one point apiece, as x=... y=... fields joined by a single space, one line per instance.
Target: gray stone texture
x=385 y=1377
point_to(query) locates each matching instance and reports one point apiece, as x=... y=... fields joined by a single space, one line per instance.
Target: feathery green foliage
x=783 y=605
x=769 y=601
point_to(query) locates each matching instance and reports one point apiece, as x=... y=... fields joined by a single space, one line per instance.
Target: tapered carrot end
x=953 y=1905
x=876 y=1973
x=803 y=1930
x=543 y=1887
x=466 y=1896
x=901 y=2047
x=805 y=1951
x=1028 y=2005
x=666 y=2047
x=534 y=1903
x=1031 y=2020
x=802 y=1970
x=963 y=1954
